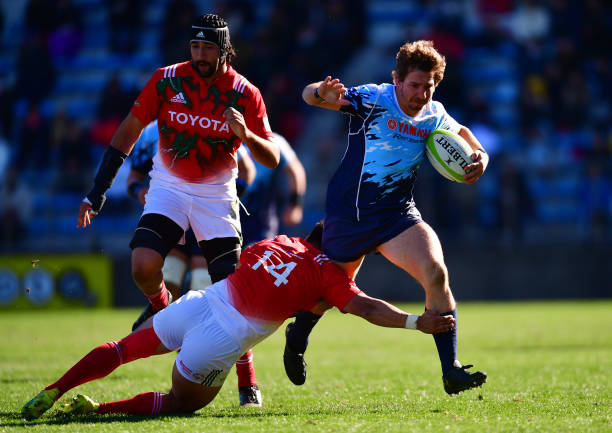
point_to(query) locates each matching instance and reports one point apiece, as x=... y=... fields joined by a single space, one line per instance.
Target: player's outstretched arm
x=381 y=313
x=328 y=93
x=120 y=147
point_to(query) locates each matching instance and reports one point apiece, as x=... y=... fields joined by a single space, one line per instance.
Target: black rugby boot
x=459 y=379
x=295 y=366
x=146 y=313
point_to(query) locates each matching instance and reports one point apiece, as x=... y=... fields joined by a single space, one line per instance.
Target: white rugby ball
x=449 y=154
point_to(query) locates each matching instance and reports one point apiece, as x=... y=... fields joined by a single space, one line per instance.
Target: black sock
x=446 y=342
x=297 y=337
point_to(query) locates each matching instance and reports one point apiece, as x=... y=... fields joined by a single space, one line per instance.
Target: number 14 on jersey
x=281 y=278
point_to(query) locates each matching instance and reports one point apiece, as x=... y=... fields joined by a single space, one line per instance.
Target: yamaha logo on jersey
x=406 y=128
x=201 y=121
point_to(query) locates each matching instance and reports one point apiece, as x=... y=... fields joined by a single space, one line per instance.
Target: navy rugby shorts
x=346 y=240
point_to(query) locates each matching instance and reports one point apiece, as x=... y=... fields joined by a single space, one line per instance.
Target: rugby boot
x=295 y=366
x=458 y=378
x=79 y=405
x=250 y=396
x=39 y=404
x=146 y=313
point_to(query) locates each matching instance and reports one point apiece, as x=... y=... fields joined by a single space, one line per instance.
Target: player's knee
x=156 y=232
x=145 y=270
x=436 y=276
x=222 y=255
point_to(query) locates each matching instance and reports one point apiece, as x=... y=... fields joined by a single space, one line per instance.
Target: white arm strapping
x=411 y=321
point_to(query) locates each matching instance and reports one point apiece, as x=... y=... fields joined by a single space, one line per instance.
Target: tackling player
x=275 y=279
x=205 y=110
x=369 y=199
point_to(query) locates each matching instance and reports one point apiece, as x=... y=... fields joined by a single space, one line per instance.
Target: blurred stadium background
x=532 y=79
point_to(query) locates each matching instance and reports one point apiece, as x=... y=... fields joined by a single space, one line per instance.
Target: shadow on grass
x=16 y=420
x=19 y=421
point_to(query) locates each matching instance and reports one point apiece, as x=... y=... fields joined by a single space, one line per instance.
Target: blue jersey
x=145 y=149
x=262 y=197
x=385 y=148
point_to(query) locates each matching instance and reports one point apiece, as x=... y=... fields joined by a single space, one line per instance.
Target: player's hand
x=430 y=322
x=332 y=91
x=235 y=119
x=477 y=167
x=86 y=213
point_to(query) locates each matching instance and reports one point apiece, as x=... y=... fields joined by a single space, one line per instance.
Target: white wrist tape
x=411 y=321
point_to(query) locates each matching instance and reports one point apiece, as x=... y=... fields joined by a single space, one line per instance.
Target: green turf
x=549 y=366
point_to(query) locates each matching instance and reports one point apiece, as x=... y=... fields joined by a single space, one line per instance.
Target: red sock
x=148 y=403
x=246 y=370
x=105 y=358
x=159 y=300
x=98 y=363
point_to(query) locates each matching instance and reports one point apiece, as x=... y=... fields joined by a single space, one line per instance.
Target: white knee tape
x=174 y=270
x=200 y=279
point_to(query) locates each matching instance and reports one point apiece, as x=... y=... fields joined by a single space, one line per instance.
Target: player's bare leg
x=418 y=251
x=147 y=267
x=147 y=273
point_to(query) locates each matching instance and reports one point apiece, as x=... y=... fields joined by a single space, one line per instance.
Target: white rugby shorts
x=210 y=211
x=210 y=332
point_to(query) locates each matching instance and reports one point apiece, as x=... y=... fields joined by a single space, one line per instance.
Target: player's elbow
x=272 y=156
x=362 y=306
x=271 y=161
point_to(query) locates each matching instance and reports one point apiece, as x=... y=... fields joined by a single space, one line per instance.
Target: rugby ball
x=449 y=154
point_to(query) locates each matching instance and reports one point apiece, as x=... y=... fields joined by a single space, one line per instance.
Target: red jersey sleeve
x=256 y=116
x=339 y=288
x=147 y=105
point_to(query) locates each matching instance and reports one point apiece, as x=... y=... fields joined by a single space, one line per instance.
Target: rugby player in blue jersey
x=370 y=207
x=274 y=197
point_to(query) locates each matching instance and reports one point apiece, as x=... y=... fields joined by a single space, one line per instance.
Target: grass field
x=549 y=366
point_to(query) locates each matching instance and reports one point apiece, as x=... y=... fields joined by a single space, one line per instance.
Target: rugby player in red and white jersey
x=205 y=110
x=276 y=279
